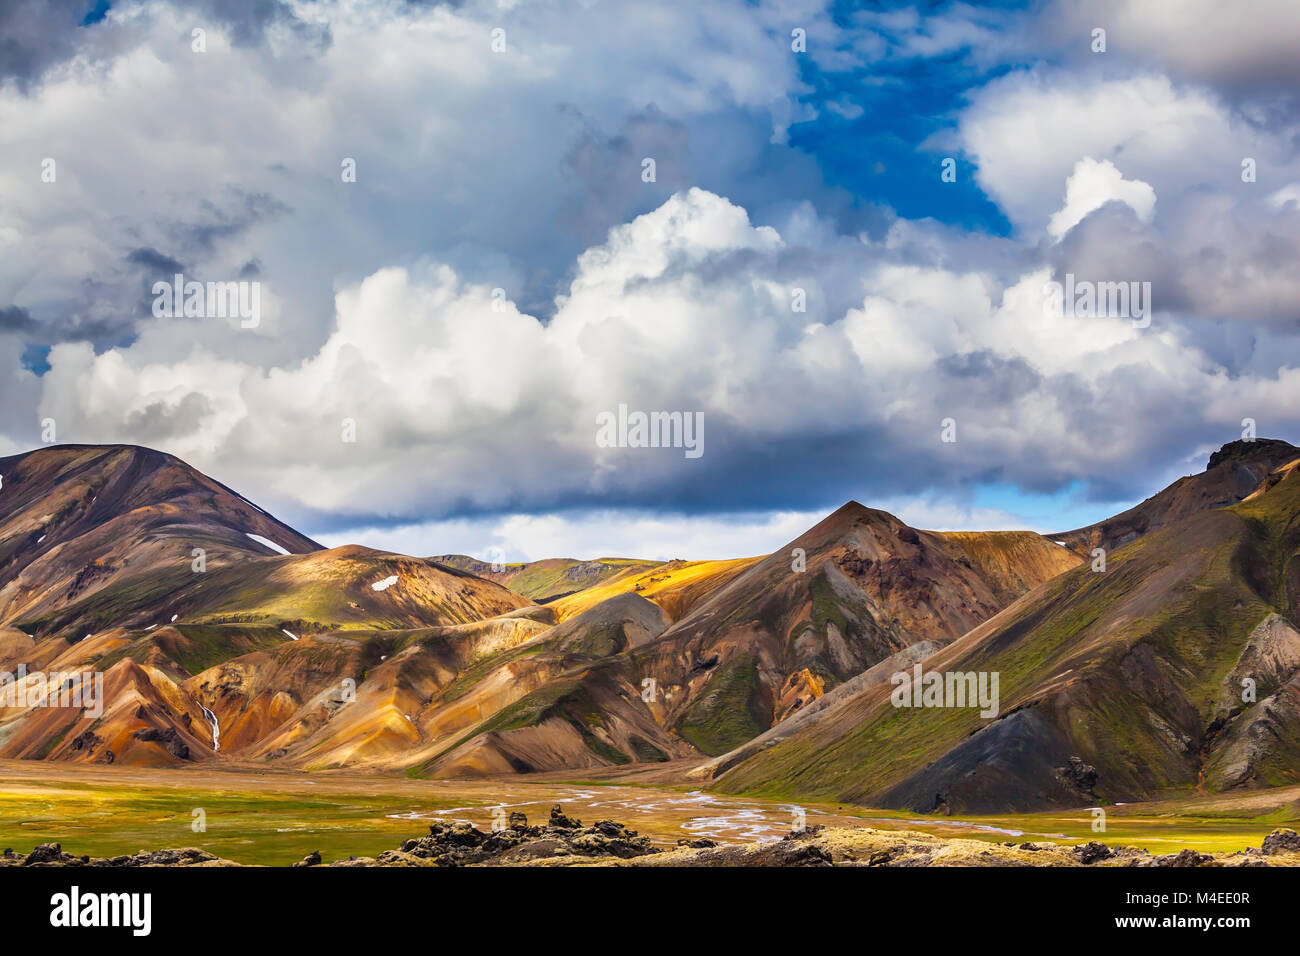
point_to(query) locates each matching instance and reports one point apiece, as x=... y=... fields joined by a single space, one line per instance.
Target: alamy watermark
x=626 y=429
x=79 y=690
x=211 y=300
x=1081 y=298
x=946 y=689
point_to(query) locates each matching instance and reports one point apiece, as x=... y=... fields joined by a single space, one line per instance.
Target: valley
x=276 y=818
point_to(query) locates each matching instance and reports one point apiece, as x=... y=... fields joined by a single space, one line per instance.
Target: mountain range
x=1152 y=653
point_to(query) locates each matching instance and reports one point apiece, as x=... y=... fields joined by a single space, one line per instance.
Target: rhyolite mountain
x=762 y=674
x=128 y=561
x=739 y=648
x=1176 y=667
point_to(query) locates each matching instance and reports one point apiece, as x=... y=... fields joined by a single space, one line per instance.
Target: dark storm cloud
x=154 y=261
x=248 y=20
x=219 y=222
x=16 y=319
x=36 y=34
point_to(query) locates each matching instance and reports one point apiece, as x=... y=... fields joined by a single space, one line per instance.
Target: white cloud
x=1091 y=186
x=460 y=405
x=479 y=171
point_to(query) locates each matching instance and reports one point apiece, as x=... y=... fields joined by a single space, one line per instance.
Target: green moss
x=729 y=711
x=826 y=607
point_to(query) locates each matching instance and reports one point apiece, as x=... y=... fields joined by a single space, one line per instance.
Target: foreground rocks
x=463 y=844
x=564 y=841
x=51 y=854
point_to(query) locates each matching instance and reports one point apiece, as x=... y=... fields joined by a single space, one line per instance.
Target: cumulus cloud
x=501 y=273
x=1091 y=186
x=687 y=308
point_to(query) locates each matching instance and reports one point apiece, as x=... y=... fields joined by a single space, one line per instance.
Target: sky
x=831 y=232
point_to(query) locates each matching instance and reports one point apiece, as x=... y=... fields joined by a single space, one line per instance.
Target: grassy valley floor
x=256 y=816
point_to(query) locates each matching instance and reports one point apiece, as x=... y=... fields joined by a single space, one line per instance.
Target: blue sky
x=780 y=175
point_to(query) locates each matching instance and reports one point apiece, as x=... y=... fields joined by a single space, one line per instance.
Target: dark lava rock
x=700 y=844
x=1281 y=841
x=777 y=853
x=311 y=859
x=518 y=819
x=51 y=854
x=45 y=853
x=1079 y=775
x=462 y=844
x=805 y=833
x=1184 y=858
x=1093 y=851
x=558 y=819
x=168 y=739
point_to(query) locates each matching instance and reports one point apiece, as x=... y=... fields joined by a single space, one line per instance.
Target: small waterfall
x=216 y=727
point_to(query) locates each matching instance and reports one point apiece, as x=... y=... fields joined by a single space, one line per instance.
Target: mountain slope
x=675 y=586
x=549 y=578
x=1114 y=686
x=1233 y=472
x=76 y=520
x=127 y=562
x=563 y=699
x=858 y=587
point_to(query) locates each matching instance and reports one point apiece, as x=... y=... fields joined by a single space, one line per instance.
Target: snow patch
x=267 y=542
x=385 y=584
x=174 y=617
x=288 y=634
x=40 y=539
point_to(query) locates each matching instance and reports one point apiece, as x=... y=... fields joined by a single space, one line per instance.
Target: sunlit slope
x=549 y=578
x=1012 y=562
x=1137 y=671
x=675 y=586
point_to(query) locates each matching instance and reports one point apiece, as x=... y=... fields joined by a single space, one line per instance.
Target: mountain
x=693 y=658
x=549 y=578
x=129 y=562
x=115 y=525
x=222 y=634
x=1115 y=686
x=1233 y=472
x=855 y=589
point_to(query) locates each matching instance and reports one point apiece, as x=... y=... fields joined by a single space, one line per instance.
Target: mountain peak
x=1248 y=449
